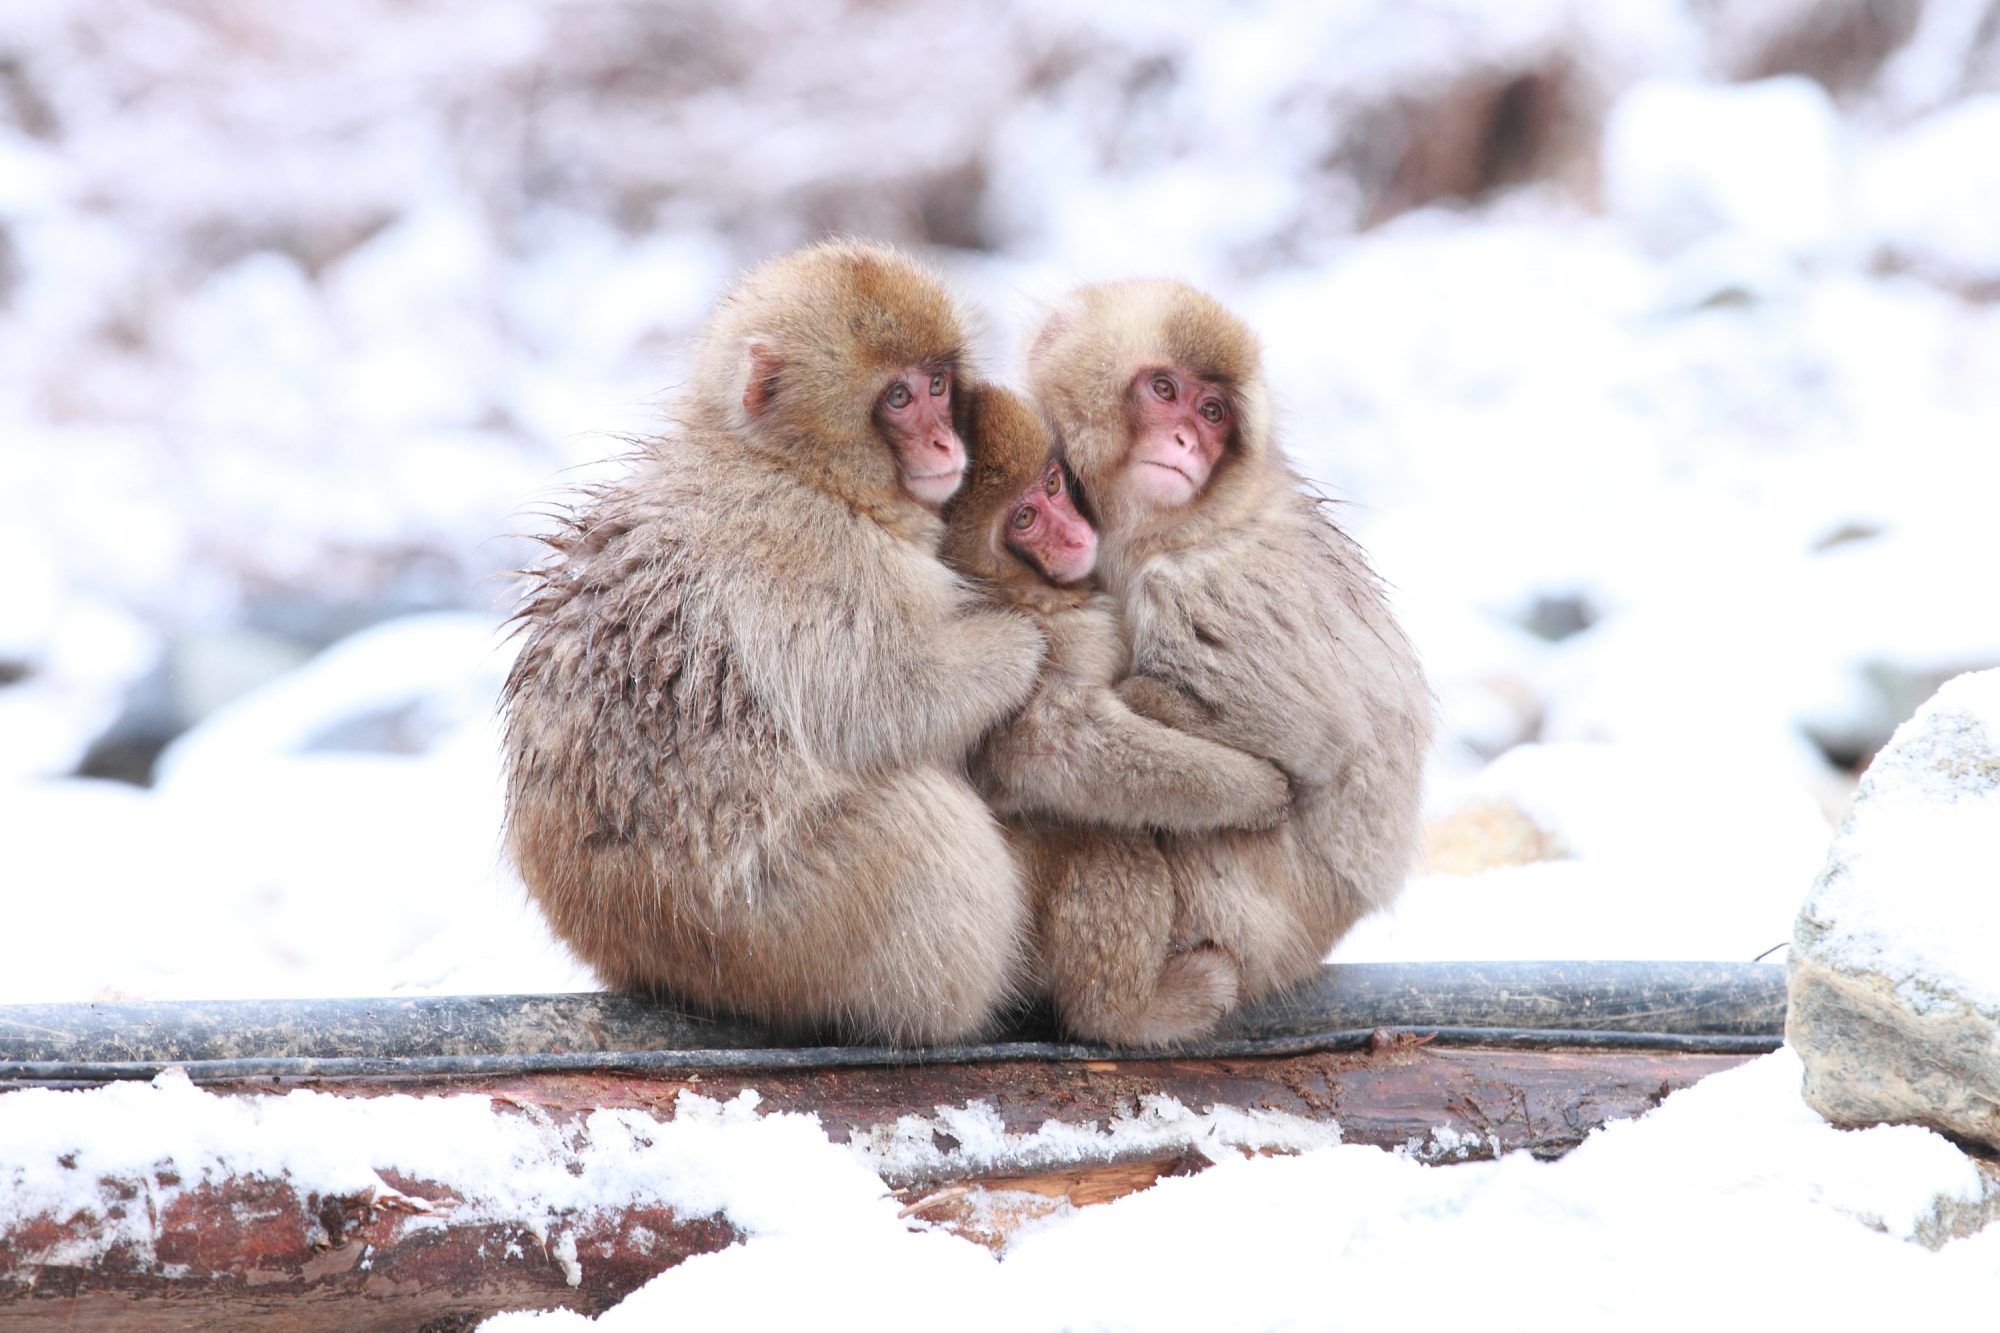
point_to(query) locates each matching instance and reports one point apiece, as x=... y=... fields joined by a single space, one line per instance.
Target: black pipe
x=1681 y=1007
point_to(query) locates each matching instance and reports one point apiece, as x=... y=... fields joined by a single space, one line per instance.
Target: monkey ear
x=760 y=376
x=1059 y=321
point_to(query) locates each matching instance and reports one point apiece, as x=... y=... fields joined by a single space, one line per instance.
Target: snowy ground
x=1679 y=453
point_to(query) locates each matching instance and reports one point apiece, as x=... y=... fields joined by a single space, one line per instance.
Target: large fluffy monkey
x=1081 y=779
x=736 y=729
x=1251 y=619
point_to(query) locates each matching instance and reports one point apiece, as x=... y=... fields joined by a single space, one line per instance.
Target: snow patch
x=972 y=1139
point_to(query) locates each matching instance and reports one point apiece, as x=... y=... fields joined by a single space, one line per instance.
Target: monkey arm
x=862 y=686
x=1160 y=702
x=1083 y=755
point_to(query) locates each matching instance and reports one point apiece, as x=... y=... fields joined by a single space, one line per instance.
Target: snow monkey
x=1251 y=619
x=737 y=727
x=1081 y=780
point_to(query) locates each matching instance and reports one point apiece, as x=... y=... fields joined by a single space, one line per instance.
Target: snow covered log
x=1895 y=964
x=423 y=1162
x=390 y=1203
x=406 y=1163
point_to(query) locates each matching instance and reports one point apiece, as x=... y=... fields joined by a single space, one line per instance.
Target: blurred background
x=1654 y=347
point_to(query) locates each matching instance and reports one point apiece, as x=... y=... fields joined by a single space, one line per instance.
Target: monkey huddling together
x=876 y=698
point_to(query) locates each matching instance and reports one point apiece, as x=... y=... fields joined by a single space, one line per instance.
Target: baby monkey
x=1081 y=782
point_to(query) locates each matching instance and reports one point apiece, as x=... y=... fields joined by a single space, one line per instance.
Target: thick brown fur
x=1251 y=620
x=1082 y=781
x=736 y=729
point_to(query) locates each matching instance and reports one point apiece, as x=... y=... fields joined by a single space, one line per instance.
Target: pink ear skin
x=914 y=414
x=1052 y=328
x=762 y=382
x=1180 y=426
x=1044 y=528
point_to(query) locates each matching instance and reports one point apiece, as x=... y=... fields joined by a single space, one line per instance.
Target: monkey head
x=1016 y=520
x=839 y=362
x=1157 y=395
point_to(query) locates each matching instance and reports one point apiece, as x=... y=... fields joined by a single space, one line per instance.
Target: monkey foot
x=1196 y=989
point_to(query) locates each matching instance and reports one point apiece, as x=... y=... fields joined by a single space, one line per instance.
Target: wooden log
x=251 y=1252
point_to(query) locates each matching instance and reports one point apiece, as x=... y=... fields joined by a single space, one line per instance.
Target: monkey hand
x=1155 y=699
x=1004 y=653
x=1266 y=802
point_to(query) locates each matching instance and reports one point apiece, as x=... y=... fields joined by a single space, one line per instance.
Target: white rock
x=1895 y=964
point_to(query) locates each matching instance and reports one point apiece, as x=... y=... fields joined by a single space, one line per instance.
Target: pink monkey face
x=1180 y=426
x=1045 y=528
x=914 y=415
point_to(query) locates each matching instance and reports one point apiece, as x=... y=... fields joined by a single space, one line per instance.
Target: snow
x=1707 y=1204
x=771 y=1174
x=909 y=1149
x=367 y=779
x=1665 y=855
x=1760 y=163
x=1722 y=1187
x=1678 y=459
x=1930 y=193
x=1912 y=889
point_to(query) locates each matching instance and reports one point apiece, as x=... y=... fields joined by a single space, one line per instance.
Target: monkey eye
x=898 y=395
x=1024 y=518
x=1163 y=387
x=938 y=383
x=1053 y=486
x=1211 y=410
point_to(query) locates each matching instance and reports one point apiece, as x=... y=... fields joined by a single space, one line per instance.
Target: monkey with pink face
x=737 y=729
x=1250 y=620
x=1081 y=781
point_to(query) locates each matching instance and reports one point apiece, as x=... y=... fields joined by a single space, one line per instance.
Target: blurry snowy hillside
x=1655 y=345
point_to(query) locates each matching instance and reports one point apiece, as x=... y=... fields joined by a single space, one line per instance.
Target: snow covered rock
x=1895 y=963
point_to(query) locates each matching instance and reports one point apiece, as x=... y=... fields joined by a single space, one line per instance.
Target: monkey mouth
x=950 y=474
x=1169 y=467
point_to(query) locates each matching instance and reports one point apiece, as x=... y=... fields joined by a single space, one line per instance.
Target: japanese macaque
x=1081 y=780
x=1250 y=618
x=736 y=729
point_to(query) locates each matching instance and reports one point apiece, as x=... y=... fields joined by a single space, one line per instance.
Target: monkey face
x=1045 y=529
x=914 y=415
x=1180 y=424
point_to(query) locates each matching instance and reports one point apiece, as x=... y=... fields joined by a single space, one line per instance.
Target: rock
x=1841 y=44
x=1480 y=129
x=1485 y=834
x=1895 y=962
